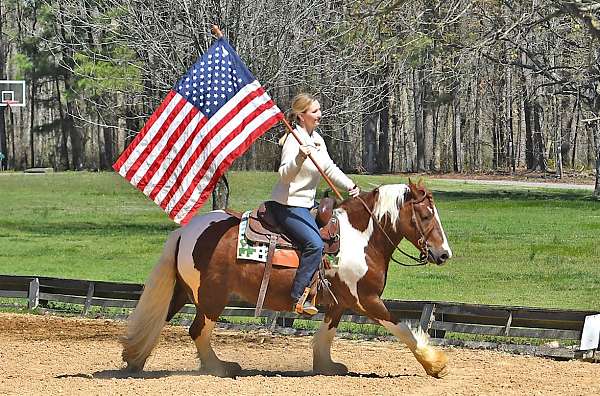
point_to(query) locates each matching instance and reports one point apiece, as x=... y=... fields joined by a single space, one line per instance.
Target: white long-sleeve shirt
x=299 y=177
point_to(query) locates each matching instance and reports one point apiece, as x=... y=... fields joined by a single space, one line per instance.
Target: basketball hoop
x=12 y=93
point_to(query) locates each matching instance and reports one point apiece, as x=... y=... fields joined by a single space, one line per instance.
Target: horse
x=199 y=265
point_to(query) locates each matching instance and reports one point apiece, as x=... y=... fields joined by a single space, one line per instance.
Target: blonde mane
x=389 y=201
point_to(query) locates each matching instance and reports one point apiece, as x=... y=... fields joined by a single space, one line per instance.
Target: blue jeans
x=299 y=225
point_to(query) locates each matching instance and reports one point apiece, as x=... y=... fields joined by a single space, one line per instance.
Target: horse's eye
x=427 y=214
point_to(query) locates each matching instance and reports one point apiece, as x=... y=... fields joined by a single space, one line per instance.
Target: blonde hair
x=300 y=104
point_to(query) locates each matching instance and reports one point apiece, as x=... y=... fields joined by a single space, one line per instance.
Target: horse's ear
x=412 y=188
x=375 y=192
x=420 y=183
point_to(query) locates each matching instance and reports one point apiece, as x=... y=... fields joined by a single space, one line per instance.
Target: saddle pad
x=256 y=251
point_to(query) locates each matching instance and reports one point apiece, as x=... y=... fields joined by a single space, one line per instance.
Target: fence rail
x=435 y=317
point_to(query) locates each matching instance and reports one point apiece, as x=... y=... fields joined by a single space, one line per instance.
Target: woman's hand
x=305 y=150
x=354 y=191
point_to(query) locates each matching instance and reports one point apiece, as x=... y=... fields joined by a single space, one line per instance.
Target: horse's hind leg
x=201 y=331
x=322 y=340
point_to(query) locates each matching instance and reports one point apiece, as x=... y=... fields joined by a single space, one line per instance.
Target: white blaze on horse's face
x=445 y=245
x=438 y=248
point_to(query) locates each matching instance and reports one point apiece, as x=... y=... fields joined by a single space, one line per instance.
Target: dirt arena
x=52 y=355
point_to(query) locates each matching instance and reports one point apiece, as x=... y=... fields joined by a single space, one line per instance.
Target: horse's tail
x=148 y=318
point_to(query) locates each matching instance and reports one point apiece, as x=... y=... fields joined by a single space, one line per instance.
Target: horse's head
x=421 y=224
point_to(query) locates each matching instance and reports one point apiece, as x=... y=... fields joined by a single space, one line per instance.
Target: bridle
x=423 y=246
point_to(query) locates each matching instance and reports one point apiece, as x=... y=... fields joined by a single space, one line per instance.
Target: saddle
x=262 y=228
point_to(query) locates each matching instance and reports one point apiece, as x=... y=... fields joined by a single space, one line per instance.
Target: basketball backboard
x=12 y=93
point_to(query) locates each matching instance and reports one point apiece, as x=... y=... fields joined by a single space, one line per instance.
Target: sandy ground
x=52 y=355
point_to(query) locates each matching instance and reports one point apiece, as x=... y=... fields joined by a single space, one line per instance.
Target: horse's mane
x=390 y=199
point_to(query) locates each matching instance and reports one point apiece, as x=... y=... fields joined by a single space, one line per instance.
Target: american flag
x=208 y=119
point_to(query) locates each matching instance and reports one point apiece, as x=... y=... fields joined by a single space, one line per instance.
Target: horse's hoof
x=440 y=374
x=332 y=368
x=223 y=370
x=233 y=368
x=434 y=362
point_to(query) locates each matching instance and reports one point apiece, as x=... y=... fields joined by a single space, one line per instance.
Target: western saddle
x=262 y=228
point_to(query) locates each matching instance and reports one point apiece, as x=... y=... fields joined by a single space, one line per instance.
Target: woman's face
x=311 y=118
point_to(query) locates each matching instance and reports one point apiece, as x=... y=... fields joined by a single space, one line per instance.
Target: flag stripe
x=184 y=217
x=182 y=122
x=166 y=172
x=219 y=154
x=214 y=112
x=215 y=132
x=185 y=157
x=204 y=154
x=171 y=121
x=136 y=140
x=169 y=157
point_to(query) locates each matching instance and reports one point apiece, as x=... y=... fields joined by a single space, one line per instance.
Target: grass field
x=512 y=246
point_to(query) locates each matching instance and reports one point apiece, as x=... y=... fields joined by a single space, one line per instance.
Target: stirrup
x=303 y=306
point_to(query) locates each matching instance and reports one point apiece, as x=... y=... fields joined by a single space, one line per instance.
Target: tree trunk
x=575 y=127
x=345 y=148
x=419 y=109
x=108 y=148
x=477 y=157
x=31 y=122
x=383 y=160
x=495 y=148
x=456 y=136
x=220 y=195
x=529 y=157
x=64 y=149
x=69 y=124
x=597 y=186
x=369 y=124
x=595 y=130
x=538 y=139
x=509 y=121
x=558 y=142
x=3 y=141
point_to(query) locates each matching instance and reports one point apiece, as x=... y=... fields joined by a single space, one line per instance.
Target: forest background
x=406 y=86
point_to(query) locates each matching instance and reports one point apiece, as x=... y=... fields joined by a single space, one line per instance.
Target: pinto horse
x=199 y=265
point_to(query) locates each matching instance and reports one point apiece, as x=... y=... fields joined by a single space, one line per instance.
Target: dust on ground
x=53 y=355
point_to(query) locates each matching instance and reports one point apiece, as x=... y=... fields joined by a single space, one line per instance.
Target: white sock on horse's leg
x=406 y=335
x=433 y=361
x=321 y=344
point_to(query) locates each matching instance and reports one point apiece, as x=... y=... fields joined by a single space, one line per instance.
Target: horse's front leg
x=322 y=340
x=433 y=361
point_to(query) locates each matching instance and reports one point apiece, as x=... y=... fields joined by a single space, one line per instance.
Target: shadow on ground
x=154 y=374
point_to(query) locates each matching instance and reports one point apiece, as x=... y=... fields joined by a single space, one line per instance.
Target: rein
x=422 y=259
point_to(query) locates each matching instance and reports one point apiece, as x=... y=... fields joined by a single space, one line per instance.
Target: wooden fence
x=436 y=317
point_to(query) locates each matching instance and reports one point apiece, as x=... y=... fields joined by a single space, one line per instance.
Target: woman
x=294 y=193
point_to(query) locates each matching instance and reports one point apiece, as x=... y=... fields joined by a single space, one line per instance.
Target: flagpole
x=327 y=179
x=218 y=34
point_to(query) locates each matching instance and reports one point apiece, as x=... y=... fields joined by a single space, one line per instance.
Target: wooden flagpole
x=218 y=34
x=327 y=179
